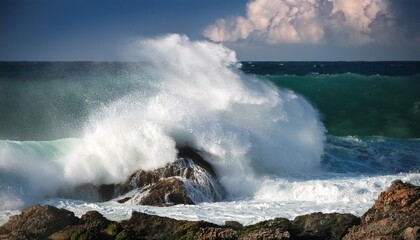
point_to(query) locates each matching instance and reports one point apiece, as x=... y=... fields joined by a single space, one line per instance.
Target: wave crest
x=191 y=93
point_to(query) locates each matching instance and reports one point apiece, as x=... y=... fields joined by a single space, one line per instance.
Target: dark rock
x=279 y=228
x=123 y=200
x=234 y=225
x=198 y=178
x=196 y=182
x=42 y=222
x=144 y=226
x=37 y=222
x=109 y=191
x=166 y=192
x=92 y=193
x=212 y=233
x=324 y=225
x=395 y=215
x=190 y=153
x=92 y=225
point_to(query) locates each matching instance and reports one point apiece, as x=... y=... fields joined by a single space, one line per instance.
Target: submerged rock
x=395 y=215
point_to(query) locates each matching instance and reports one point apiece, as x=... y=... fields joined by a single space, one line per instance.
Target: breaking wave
x=187 y=93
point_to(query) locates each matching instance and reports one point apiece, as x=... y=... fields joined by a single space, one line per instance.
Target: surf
x=190 y=93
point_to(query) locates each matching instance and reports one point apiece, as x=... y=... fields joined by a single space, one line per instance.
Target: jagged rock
x=395 y=215
x=324 y=225
x=197 y=182
x=193 y=180
x=279 y=228
x=189 y=153
x=92 y=225
x=166 y=192
x=144 y=226
x=234 y=225
x=47 y=222
x=37 y=222
x=212 y=233
x=411 y=233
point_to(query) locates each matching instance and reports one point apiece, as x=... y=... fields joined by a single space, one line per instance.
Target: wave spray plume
x=191 y=93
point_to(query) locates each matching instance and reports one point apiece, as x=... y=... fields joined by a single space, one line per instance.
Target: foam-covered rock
x=188 y=180
x=165 y=192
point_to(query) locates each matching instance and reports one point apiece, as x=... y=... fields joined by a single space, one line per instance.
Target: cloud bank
x=354 y=22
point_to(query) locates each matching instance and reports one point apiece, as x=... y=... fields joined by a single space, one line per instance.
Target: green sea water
x=353 y=104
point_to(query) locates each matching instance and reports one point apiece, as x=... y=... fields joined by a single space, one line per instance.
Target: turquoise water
x=353 y=104
x=278 y=134
x=53 y=100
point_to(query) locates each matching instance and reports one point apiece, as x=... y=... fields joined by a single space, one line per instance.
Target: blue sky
x=255 y=29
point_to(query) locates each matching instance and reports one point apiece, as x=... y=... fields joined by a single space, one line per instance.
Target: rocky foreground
x=395 y=215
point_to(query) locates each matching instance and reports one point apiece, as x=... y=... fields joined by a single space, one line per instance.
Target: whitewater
x=268 y=145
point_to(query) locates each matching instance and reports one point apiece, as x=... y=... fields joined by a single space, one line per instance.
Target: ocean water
x=285 y=138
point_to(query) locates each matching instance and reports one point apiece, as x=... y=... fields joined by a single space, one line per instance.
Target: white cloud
x=351 y=22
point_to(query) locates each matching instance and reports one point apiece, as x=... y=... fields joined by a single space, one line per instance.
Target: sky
x=260 y=30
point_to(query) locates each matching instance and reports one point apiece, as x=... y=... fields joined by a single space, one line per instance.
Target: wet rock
x=123 y=200
x=193 y=180
x=324 y=225
x=166 y=192
x=395 y=215
x=199 y=181
x=92 y=193
x=37 y=222
x=190 y=153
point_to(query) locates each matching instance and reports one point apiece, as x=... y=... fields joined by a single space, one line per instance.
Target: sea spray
x=245 y=126
x=124 y=116
x=189 y=93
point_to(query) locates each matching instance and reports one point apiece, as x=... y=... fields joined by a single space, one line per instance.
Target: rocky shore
x=395 y=215
x=191 y=180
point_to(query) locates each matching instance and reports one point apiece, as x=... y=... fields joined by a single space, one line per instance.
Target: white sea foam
x=264 y=143
x=286 y=198
x=283 y=198
x=195 y=96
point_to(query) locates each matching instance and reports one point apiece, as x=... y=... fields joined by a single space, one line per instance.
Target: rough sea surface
x=285 y=138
